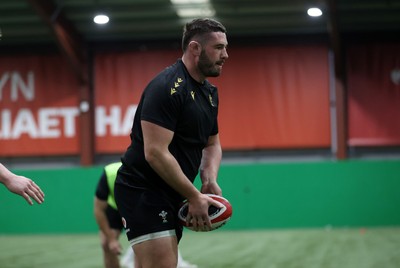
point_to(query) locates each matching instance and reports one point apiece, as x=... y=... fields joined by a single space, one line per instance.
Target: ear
x=195 y=48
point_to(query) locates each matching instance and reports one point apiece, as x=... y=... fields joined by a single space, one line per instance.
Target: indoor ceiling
x=22 y=23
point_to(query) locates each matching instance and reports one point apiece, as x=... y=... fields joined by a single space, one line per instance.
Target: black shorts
x=146 y=214
x=114 y=219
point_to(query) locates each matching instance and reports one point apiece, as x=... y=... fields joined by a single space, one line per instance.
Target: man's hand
x=26 y=188
x=115 y=246
x=211 y=188
x=198 y=212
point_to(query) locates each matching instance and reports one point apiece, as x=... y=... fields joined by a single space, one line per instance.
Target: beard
x=207 y=67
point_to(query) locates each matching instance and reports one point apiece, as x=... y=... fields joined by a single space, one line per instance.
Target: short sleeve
x=161 y=105
x=215 y=130
x=102 y=190
x=215 y=98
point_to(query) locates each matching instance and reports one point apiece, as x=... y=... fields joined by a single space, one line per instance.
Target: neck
x=192 y=69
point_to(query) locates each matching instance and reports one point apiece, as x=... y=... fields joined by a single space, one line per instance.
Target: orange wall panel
x=120 y=79
x=373 y=94
x=38 y=111
x=275 y=97
x=270 y=97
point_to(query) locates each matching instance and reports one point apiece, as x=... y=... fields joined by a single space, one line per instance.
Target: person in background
x=21 y=185
x=174 y=136
x=110 y=224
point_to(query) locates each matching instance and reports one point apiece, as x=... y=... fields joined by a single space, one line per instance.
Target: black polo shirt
x=173 y=100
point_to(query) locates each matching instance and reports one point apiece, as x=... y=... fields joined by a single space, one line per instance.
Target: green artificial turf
x=304 y=248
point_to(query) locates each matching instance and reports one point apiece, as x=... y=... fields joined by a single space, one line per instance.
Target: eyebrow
x=221 y=45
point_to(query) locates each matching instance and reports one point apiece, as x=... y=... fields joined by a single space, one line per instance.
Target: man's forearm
x=169 y=170
x=210 y=163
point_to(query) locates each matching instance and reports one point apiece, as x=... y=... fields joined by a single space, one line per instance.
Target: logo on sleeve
x=211 y=100
x=177 y=83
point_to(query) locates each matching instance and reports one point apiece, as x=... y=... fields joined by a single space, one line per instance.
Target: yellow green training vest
x=111 y=174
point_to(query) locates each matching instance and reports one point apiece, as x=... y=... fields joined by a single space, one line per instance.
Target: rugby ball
x=218 y=216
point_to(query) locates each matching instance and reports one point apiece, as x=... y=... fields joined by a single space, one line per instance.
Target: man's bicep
x=155 y=136
x=100 y=204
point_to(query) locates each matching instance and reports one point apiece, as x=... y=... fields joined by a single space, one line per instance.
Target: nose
x=224 y=54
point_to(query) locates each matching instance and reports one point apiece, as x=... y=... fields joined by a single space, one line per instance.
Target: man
x=107 y=216
x=21 y=185
x=110 y=224
x=174 y=134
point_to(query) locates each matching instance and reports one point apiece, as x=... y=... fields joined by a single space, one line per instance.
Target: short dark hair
x=200 y=27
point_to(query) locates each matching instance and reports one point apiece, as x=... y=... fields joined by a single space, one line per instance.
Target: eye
x=220 y=47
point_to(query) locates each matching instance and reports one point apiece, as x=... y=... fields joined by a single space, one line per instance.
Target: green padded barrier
x=263 y=195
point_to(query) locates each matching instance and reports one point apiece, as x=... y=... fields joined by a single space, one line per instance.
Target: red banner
x=270 y=97
x=120 y=79
x=38 y=112
x=275 y=97
x=374 y=94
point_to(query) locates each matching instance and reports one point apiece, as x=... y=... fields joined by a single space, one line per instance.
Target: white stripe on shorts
x=151 y=236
